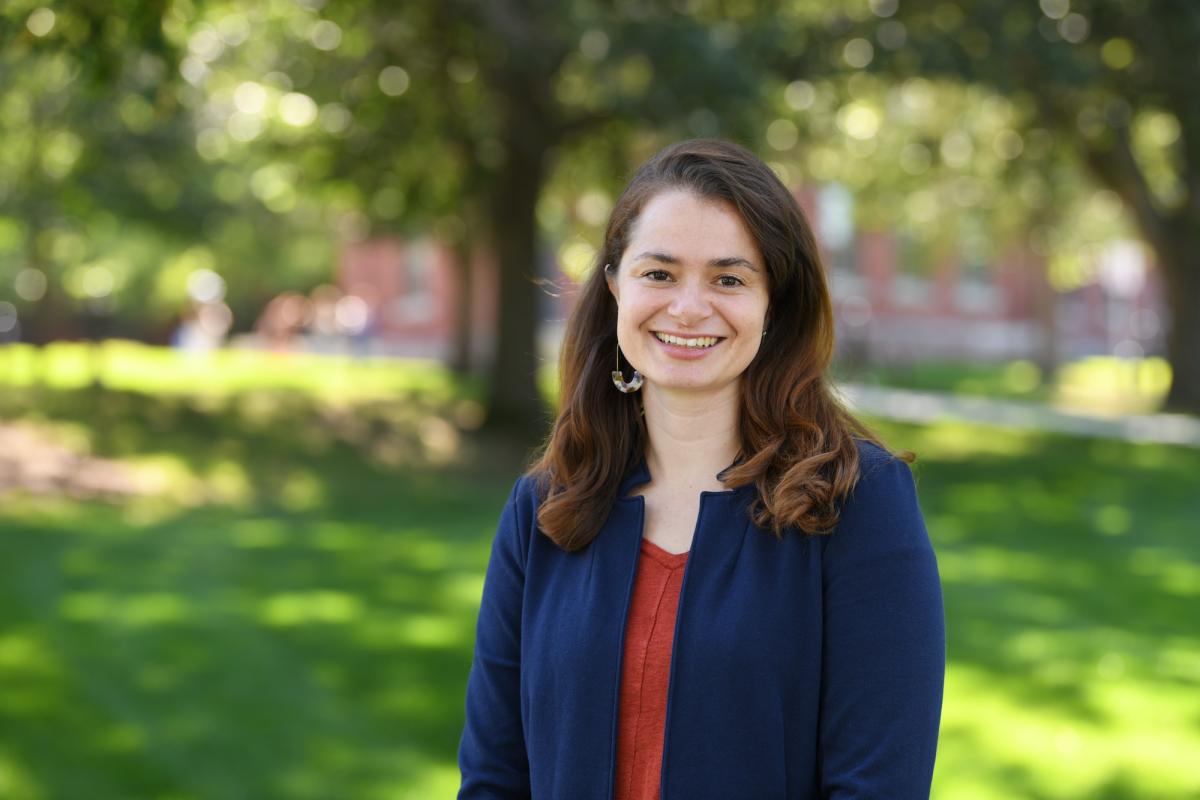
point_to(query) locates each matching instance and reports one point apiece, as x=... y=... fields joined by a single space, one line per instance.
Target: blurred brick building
x=890 y=310
x=413 y=290
x=886 y=309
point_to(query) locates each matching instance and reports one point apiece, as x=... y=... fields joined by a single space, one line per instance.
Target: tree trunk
x=1182 y=278
x=460 y=354
x=1174 y=238
x=514 y=404
x=1045 y=303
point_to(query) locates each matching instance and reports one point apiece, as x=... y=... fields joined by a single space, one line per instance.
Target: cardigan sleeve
x=491 y=754
x=884 y=643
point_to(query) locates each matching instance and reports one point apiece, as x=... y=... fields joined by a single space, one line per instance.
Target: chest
x=745 y=665
x=749 y=603
x=669 y=520
x=745 y=669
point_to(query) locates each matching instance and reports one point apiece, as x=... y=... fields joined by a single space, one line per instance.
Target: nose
x=689 y=305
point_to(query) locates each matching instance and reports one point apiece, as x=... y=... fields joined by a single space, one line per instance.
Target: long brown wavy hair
x=797 y=440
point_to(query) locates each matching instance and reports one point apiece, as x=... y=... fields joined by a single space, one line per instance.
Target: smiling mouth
x=698 y=342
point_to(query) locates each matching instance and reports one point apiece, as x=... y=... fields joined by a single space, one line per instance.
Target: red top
x=645 y=672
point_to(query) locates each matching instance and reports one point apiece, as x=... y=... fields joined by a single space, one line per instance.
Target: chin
x=688 y=383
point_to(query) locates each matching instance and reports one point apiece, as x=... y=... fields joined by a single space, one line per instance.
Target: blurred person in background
x=281 y=323
x=715 y=582
x=322 y=332
x=202 y=327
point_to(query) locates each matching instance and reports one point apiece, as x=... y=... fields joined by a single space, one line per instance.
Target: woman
x=715 y=583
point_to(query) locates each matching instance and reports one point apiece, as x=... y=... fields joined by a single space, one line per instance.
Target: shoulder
x=882 y=510
x=528 y=491
x=871 y=456
x=878 y=472
x=519 y=519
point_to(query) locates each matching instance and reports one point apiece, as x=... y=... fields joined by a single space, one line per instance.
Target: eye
x=730 y=281
x=657 y=275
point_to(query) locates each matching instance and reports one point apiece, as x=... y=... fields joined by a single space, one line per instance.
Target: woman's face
x=691 y=294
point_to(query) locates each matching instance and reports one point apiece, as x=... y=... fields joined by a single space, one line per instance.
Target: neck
x=692 y=436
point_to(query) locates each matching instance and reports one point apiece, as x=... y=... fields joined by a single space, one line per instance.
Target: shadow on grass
x=1071 y=572
x=277 y=646
x=267 y=434
x=1064 y=553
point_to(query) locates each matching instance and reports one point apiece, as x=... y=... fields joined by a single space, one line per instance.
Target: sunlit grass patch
x=1070 y=568
x=1113 y=385
x=1132 y=741
x=132 y=366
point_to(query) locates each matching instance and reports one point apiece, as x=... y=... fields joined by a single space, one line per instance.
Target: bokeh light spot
x=799 y=95
x=250 y=97
x=325 y=35
x=858 y=53
x=297 y=110
x=205 y=286
x=1074 y=28
x=1008 y=144
x=884 y=8
x=957 y=149
x=859 y=120
x=393 y=81
x=1055 y=9
x=40 y=22
x=782 y=134
x=30 y=284
x=593 y=45
x=1117 y=53
x=576 y=258
x=8 y=316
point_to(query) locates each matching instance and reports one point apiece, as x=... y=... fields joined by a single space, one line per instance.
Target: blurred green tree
x=455 y=116
x=88 y=129
x=508 y=87
x=959 y=174
x=146 y=140
x=1115 y=82
x=110 y=191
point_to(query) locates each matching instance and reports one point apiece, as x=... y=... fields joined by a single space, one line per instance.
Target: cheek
x=750 y=315
x=628 y=327
x=627 y=312
x=633 y=307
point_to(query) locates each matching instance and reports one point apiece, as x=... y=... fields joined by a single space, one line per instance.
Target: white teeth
x=699 y=341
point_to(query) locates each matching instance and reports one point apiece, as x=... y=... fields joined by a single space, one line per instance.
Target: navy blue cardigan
x=807 y=667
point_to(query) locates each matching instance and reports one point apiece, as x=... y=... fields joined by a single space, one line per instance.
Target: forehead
x=691 y=228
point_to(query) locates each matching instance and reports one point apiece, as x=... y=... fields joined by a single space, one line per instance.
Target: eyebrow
x=720 y=263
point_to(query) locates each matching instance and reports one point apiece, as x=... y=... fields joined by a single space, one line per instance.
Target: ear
x=610 y=277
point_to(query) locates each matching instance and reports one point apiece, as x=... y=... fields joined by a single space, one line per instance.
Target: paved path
x=914 y=406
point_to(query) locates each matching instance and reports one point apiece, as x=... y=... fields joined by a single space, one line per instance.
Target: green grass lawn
x=1095 y=385
x=270 y=592
x=1071 y=570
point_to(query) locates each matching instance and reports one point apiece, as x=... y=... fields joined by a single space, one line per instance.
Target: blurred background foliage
x=146 y=140
x=255 y=574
